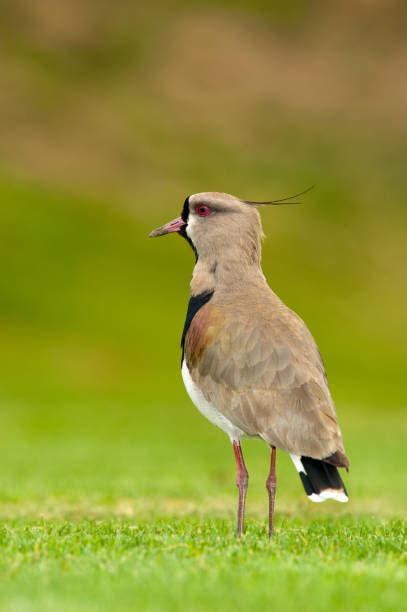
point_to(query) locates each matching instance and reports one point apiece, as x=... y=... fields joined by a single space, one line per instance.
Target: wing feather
x=263 y=371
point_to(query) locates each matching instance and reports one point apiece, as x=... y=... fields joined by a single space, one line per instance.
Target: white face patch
x=192 y=221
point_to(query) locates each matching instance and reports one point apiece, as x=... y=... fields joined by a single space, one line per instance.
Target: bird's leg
x=271 y=486
x=242 y=480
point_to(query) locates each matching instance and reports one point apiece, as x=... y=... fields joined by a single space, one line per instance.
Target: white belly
x=206 y=408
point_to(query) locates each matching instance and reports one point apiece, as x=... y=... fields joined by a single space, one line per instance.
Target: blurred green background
x=110 y=115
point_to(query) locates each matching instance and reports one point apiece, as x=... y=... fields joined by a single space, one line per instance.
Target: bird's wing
x=263 y=371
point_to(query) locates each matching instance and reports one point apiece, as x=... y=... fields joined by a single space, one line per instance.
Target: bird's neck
x=225 y=273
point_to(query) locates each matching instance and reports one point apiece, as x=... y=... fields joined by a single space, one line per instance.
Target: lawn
x=117 y=506
x=197 y=564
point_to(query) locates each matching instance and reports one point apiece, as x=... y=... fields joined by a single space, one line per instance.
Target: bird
x=249 y=363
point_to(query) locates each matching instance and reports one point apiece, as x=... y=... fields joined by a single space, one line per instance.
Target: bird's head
x=218 y=223
x=215 y=222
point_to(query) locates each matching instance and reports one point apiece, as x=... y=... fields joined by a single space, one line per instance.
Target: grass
x=186 y=564
x=120 y=506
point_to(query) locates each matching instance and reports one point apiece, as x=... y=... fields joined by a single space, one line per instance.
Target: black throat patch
x=195 y=303
x=183 y=232
x=185 y=210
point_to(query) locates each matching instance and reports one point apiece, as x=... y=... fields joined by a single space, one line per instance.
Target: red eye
x=202 y=210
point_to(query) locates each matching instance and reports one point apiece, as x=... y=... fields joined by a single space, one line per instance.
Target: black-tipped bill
x=168 y=228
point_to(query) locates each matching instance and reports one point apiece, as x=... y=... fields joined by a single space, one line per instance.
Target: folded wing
x=263 y=371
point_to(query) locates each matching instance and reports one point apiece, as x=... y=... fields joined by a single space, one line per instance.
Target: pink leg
x=271 y=486
x=242 y=480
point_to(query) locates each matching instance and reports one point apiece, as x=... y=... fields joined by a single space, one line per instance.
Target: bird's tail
x=320 y=479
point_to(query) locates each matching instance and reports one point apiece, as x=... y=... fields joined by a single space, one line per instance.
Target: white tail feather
x=314 y=496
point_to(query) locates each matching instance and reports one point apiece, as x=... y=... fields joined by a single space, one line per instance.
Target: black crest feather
x=281 y=200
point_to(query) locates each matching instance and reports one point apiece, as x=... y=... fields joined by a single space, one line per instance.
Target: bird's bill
x=168 y=228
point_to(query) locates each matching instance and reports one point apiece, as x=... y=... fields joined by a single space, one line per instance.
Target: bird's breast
x=207 y=408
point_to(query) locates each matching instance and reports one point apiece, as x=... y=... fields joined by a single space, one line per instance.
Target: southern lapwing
x=249 y=363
